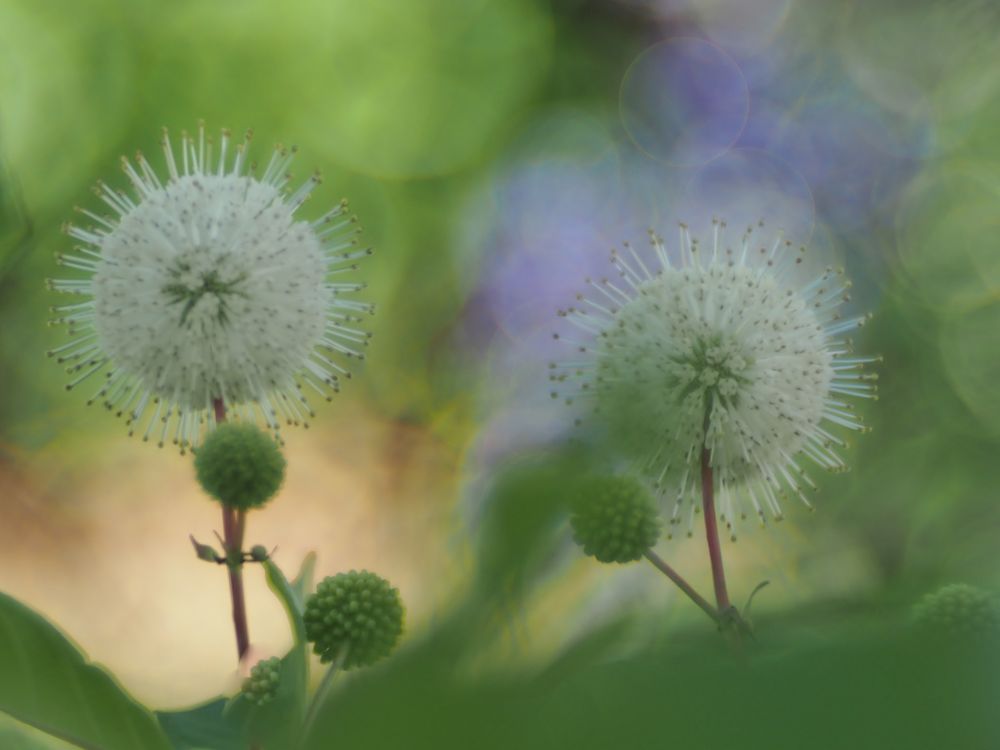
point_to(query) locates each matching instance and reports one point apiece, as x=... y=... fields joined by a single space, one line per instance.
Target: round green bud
x=358 y=614
x=614 y=518
x=240 y=465
x=262 y=684
x=957 y=611
x=258 y=553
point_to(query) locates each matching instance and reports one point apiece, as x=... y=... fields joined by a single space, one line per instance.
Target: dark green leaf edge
x=34 y=646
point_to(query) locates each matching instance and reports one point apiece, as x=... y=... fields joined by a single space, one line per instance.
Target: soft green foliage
x=240 y=465
x=201 y=727
x=806 y=683
x=358 y=614
x=22 y=737
x=958 y=611
x=523 y=522
x=614 y=518
x=262 y=684
x=46 y=681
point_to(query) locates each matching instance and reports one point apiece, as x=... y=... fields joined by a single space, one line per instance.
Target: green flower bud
x=205 y=552
x=258 y=553
x=614 y=518
x=957 y=611
x=262 y=684
x=240 y=465
x=357 y=613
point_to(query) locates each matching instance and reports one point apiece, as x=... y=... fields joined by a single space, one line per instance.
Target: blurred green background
x=494 y=150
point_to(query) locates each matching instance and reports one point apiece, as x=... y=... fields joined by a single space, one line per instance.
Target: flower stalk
x=712 y=532
x=233 y=531
x=323 y=691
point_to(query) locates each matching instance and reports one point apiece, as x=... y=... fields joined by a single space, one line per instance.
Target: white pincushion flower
x=721 y=350
x=206 y=291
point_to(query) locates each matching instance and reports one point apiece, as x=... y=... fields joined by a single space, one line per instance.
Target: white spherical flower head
x=207 y=292
x=718 y=360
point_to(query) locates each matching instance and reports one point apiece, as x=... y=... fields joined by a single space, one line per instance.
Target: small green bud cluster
x=614 y=519
x=958 y=611
x=240 y=465
x=262 y=684
x=358 y=614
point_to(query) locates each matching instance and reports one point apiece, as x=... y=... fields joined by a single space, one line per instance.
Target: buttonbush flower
x=262 y=684
x=614 y=519
x=958 y=611
x=356 y=616
x=721 y=349
x=205 y=287
x=241 y=466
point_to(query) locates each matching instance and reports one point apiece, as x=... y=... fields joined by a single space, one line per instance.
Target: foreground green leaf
x=45 y=681
x=14 y=734
x=203 y=727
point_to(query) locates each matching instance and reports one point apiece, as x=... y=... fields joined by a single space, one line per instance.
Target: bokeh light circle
x=744 y=186
x=439 y=85
x=546 y=219
x=563 y=195
x=746 y=26
x=684 y=101
x=842 y=146
x=925 y=59
x=948 y=238
x=395 y=90
x=968 y=345
x=48 y=64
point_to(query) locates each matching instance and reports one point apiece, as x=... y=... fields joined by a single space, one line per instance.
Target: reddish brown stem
x=220 y=410
x=712 y=532
x=233 y=524
x=233 y=528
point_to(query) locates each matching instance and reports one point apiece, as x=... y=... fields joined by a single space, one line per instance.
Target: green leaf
x=45 y=681
x=302 y=586
x=14 y=734
x=289 y=599
x=277 y=725
x=203 y=727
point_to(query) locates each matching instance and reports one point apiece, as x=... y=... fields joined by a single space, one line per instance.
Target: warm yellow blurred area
x=97 y=539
